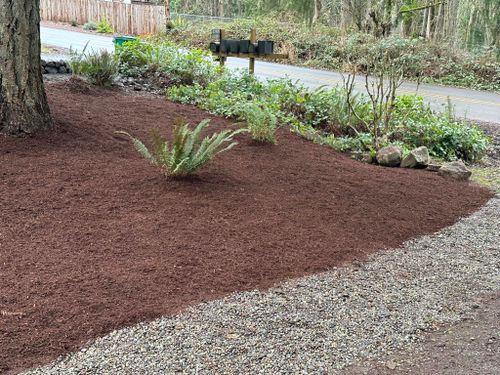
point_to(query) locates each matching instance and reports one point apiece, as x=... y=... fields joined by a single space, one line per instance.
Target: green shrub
x=100 y=68
x=415 y=124
x=104 y=27
x=90 y=26
x=180 y=66
x=135 y=58
x=177 y=23
x=188 y=152
x=261 y=122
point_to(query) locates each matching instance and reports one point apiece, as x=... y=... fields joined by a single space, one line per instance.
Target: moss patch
x=488 y=177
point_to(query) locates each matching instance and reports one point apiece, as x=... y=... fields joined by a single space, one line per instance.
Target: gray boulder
x=366 y=157
x=456 y=170
x=417 y=158
x=389 y=156
x=433 y=167
x=51 y=70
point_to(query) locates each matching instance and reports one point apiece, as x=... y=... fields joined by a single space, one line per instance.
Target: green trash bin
x=119 y=40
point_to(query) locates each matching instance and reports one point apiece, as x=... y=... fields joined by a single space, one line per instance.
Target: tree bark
x=23 y=102
x=167 y=11
x=317 y=11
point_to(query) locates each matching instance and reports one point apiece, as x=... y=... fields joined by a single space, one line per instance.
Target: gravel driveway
x=318 y=324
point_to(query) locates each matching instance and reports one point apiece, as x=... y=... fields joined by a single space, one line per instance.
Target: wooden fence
x=131 y=19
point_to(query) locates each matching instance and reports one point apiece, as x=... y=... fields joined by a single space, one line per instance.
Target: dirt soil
x=93 y=237
x=470 y=347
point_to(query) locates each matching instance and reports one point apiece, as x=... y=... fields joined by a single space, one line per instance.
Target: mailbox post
x=243 y=51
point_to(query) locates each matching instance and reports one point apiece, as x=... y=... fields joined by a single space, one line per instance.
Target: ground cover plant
x=189 y=152
x=147 y=246
x=337 y=117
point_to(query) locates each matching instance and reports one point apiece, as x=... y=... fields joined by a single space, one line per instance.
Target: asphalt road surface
x=470 y=104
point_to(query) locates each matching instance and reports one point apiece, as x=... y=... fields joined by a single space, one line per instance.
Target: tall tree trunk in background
x=220 y=11
x=167 y=11
x=429 y=21
x=317 y=10
x=23 y=103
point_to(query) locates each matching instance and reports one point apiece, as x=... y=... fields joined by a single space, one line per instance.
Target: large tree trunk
x=317 y=10
x=167 y=11
x=23 y=103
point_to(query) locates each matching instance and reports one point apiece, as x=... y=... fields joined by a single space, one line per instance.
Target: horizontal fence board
x=132 y=19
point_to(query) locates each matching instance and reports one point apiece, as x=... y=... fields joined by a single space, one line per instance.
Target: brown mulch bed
x=94 y=238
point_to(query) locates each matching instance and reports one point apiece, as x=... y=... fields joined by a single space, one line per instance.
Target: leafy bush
x=177 y=23
x=188 y=152
x=136 y=57
x=180 y=66
x=415 y=125
x=90 y=26
x=100 y=68
x=261 y=122
x=104 y=27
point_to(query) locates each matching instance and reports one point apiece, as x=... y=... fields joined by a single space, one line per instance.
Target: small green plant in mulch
x=188 y=152
x=261 y=122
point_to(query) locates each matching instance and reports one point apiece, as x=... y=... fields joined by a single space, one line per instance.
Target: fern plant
x=189 y=152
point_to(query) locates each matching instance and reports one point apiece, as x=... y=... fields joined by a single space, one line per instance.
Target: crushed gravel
x=317 y=324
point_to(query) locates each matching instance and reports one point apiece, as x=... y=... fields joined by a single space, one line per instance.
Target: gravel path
x=469 y=347
x=317 y=324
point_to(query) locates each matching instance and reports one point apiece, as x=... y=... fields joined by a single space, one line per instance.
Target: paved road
x=472 y=104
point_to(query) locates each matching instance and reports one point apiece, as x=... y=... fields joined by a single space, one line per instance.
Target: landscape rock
x=389 y=156
x=417 y=158
x=51 y=70
x=455 y=169
x=433 y=167
x=366 y=157
x=55 y=67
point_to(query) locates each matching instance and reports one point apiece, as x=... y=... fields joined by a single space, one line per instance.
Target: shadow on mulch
x=94 y=238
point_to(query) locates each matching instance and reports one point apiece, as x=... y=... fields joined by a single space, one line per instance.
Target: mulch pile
x=94 y=238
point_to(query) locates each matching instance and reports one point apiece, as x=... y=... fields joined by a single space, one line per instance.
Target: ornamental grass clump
x=99 y=67
x=261 y=121
x=188 y=152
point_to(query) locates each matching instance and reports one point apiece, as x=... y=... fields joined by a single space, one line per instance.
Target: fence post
x=222 y=59
x=253 y=40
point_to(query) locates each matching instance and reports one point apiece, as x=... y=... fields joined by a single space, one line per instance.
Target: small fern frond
x=140 y=147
